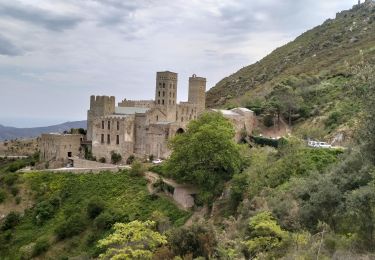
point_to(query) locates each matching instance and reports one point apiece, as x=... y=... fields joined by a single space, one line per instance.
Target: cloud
x=63 y=51
x=39 y=17
x=7 y=48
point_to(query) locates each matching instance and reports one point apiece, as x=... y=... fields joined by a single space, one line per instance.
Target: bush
x=102 y=160
x=3 y=195
x=18 y=200
x=41 y=246
x=265 y=236
x=43 y=211
x=104 y=221
x=197 y=240
x=130 y=159
x=115 y=157
x=11 y=220
x=72 y=226
x=10 y=179
x=15 y=166
x=14 y=190
x=268 y=120
x=95 y=206
x=137 y=169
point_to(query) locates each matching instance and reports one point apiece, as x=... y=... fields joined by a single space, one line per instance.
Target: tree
x=265 y=236
x=11 y=220
x=285 y=100
x=196 y=240
x=206 y=155
x=134 y=240
x=360 y=211
x=95 y=206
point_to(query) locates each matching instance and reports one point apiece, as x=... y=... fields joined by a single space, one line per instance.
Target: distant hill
x=8 y=133
x=317 y=66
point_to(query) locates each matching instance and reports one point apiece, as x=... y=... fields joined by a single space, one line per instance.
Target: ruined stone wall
x=113 y=133
x=137 y=103
x=59 y=146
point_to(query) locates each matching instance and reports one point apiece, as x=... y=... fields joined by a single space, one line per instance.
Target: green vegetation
x=134 y=240
x=115 y=157
x=309 y=81
x=206 y=155
x=77 y=210
x=264 y=236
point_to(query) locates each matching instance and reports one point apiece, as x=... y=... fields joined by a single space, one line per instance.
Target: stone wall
x=59 y=146
x=137 y=103
x=113 y=134
x=99 y=106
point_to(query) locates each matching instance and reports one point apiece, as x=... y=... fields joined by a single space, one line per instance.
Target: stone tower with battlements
x=99 y=106
x=197 y=92
x=166 y=93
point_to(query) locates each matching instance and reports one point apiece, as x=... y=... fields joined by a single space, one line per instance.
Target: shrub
x=43 y=211
x=11 y=220
x=95 y=206
x=72 y=226
x=10 y=179
x=15 y=166
x=41 y=246
x=115 y=157
x=130 y=159
x=265 y=236
x=102 y=160
x=196 y=240
x=104 y=221
x=3 y=195
x=137 y=169
x=268 y=120
x=14 y=190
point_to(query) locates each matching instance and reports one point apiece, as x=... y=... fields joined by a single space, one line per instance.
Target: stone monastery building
x=143 y=127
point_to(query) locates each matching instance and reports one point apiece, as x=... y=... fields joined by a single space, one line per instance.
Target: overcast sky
x=54 y=54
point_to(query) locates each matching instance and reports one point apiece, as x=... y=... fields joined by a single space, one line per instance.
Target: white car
x=318 y=144
x=157 y=161
x=312 y=143
x=323 y=145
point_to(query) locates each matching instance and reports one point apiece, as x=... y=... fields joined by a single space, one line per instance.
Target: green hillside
x=68 y=213
x=316 y=68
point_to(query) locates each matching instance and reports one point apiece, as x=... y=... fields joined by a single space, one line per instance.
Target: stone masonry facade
x=140 y=127
x=143 y=128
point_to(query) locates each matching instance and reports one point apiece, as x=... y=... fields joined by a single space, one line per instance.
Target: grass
x=125 y=196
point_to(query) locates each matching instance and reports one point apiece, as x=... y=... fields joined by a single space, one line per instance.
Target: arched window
x=157 y=118
x=162 y=101
x=159 y=93
x=163 y=93
x=163 y=85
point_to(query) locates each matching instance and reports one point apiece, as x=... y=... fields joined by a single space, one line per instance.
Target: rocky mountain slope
x=318 y=65
x=8 y=133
